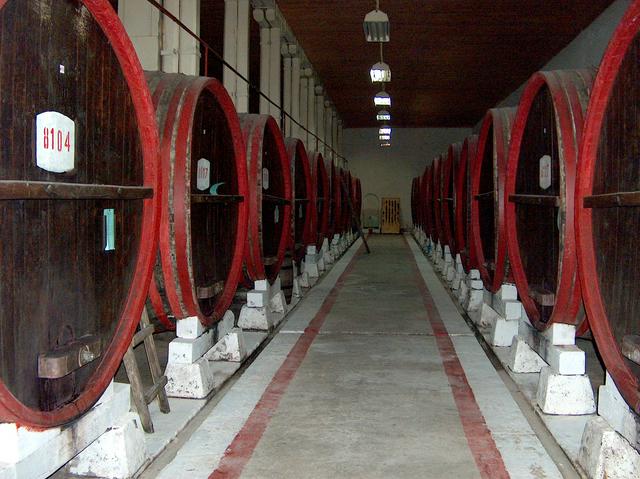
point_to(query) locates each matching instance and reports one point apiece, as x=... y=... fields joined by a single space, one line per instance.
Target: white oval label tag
x=204 y=174
x=276 y=215
x=55 y=142
x=265 y=178
x=300 y=211
x=545 y=172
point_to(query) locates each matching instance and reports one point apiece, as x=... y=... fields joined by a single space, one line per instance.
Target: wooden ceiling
x=450 y=60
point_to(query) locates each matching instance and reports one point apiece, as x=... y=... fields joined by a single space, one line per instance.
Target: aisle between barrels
x=375 y=374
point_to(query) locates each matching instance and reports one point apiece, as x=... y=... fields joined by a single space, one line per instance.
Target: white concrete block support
x=564 y=395
x=473 y=297
x=606 y=454
x=523 y=359
x=501 y=312
x=31 y=453
x=189 y=374
x=117 y=454
x=265 y=308
x=613 y=408
x=458 y=274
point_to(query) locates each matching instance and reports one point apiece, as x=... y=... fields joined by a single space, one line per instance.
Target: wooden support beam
x=613 y=200
x=43 y=190
x=536 y=200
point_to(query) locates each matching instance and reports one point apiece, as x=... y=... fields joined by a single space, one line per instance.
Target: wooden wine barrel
x=345 y=188
x=488 y=232
x=426 y=206
x=415 y=194
x=203 y=227
x=608 y=208
x=78 y=172
x=436 y=200
x=540 y=190
x=449 y=174
x=303 y=225
x=270 y=197
x=320 y=186
x=463 y=202
x=335 y=199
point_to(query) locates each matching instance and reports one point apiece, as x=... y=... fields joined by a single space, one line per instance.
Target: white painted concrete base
x=38 y=454
x=501 y=314
x=265 y=308
x=613 y=408
x=230 y=348
x=117 y=454
x=606 y=454
x=523 y=359
x=565 y=395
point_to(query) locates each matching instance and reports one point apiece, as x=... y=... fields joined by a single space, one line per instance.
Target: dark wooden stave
x=320 y=185
x=541 y=234
x=201 y=242
x=303 y=225
x=463 y=202
x=487 y=215
x=607 y=240
x=267 y=239
x=448 y=196
x=84 y=291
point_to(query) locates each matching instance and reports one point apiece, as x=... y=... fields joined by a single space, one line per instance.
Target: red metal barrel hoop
x=304 y=200
x=604 y=212
x=488 y=206
x=463 y=202
x=100 y=24
x=321 y=190
x=545 y=138
x=202 y=147
x=449 y=196
x=269 y=214
x=436 y=200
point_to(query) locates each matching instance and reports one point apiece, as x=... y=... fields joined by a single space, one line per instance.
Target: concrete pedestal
x=606 y=454
x=613 y=408
x=38 y=454
x=265 y=308
x=472 y=295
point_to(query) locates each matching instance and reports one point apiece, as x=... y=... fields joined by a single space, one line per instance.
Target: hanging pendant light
x=382 y=98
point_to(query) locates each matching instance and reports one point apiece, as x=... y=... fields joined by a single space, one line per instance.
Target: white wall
x=387 y=172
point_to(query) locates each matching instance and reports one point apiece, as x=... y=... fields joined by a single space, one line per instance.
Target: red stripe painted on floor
x=241 y=448
x=485 y=453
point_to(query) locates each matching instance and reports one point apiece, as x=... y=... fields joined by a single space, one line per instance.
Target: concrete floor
x=366 y=395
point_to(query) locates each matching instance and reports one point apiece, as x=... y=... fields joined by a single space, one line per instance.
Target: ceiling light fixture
x=380 y=73
x=383 y=115
x=376 y=25
x=384 y=130
x=385 y=144
x=382 y=98
x=384 y=137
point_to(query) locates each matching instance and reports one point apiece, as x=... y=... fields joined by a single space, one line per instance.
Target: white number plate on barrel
x=55 y=142
x=204 y=174
x=545 y=172
x=265 y=178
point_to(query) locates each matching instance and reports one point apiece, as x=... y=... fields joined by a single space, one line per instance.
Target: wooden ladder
x=141 y=397
x=354 y=218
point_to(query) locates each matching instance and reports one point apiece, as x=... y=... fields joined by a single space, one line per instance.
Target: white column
x=311 y=112
x=142 y=22
x=171 y=38
x=274 y=74
x=189 y=54
x=295 y=95
x=242 y=57
x=229 y=78
x=302 y=106
x=328 y=129
x=286 y=81
x=261 y=16
x=320 y=119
